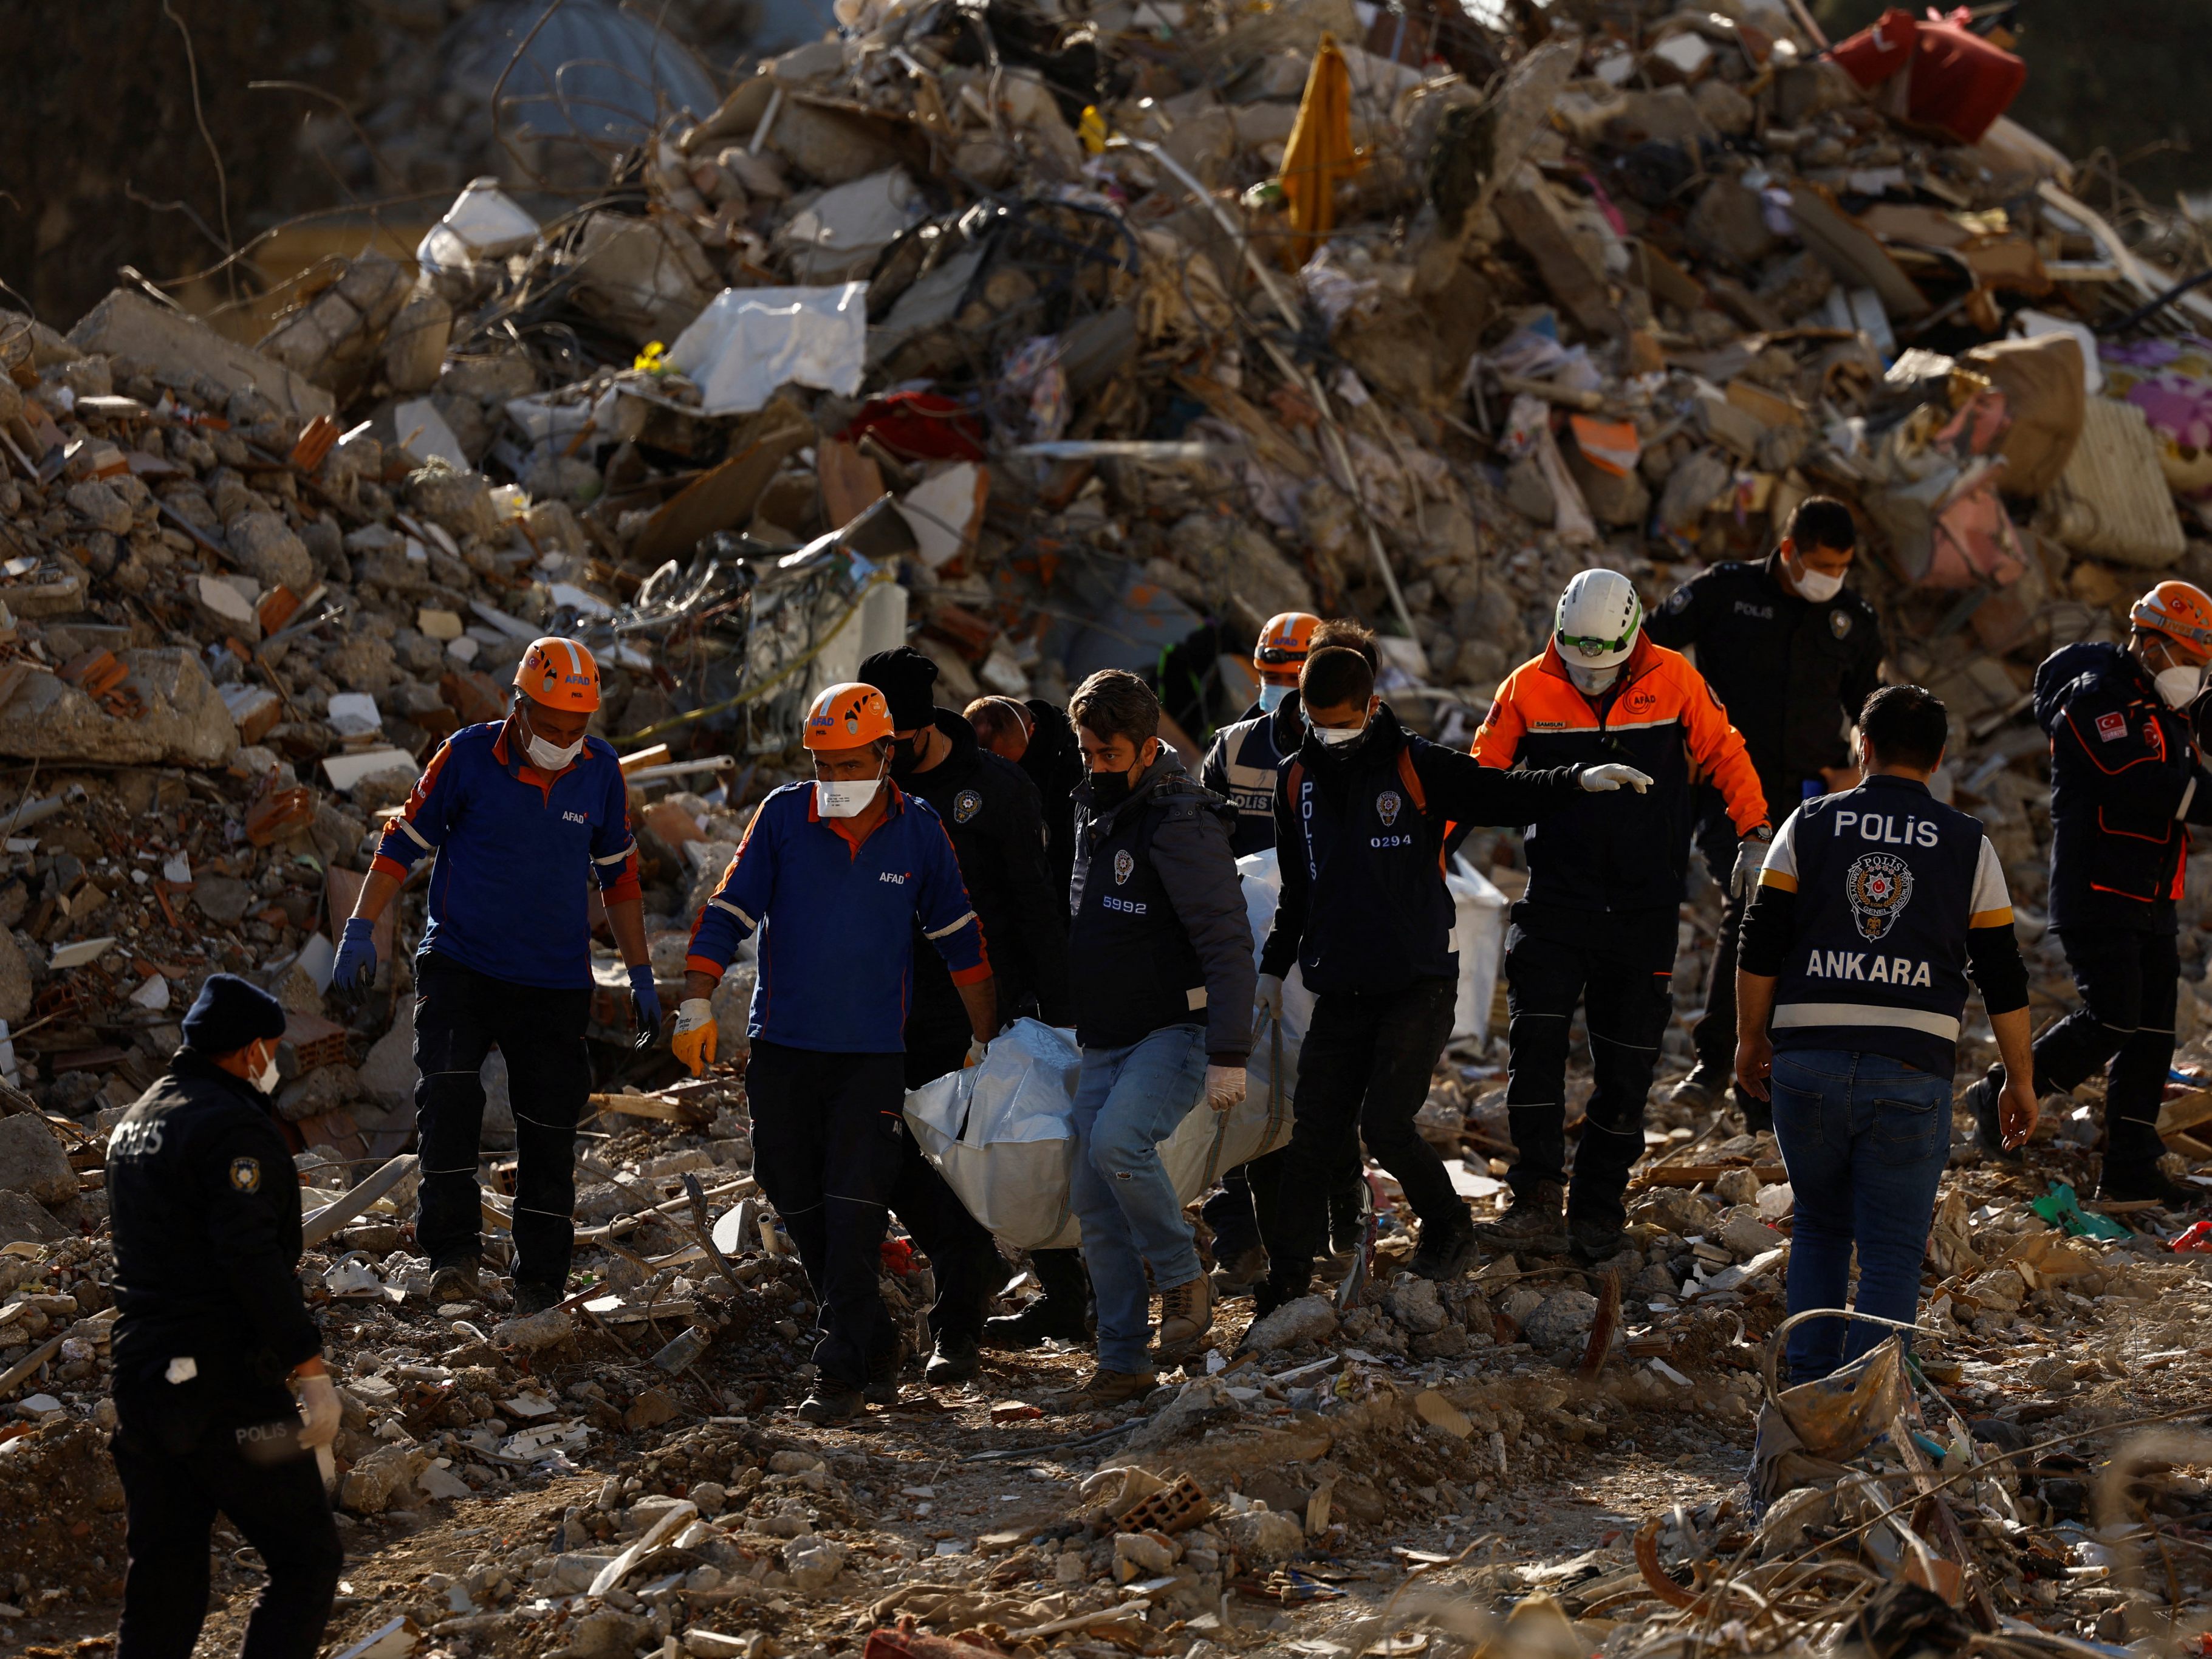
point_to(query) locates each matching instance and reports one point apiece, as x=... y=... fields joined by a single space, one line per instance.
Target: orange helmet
x=846 y=716
x=559 y=673
x=2180 y=611
x=1283 y=644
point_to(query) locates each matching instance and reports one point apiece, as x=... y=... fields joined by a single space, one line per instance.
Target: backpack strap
x=1410 y=776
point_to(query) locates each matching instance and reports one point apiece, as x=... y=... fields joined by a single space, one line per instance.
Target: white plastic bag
x=1002 y=1134
x=749 y=341
x=1479 y=935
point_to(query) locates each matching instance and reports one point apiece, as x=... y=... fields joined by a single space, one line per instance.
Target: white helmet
x=1598 y=620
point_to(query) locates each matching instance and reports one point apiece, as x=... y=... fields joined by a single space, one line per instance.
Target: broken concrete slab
x=184 y=720
x=32 y=1161
x=126 y=324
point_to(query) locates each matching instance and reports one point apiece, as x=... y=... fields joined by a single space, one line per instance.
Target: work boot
x=1186 y=1319
x=1273 y=1293
x=1700 y=1089
x=956 y=1360
x=1981 y=1098
x=1104 y=1390
x=832 y=1402
x=1349 y=1212
x=1593 y=1241
x=1237 y=1274
x=882 y=1384
x=457 y=1278
x=2125 y=1183
x=1535 y=1221
x=1445 y=1252
x=1758 y=1115
x=531 y=1298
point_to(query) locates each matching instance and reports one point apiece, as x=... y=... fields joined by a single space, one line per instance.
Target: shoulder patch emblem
x=2111 y=727
x=1387 y=806
x=966 y=805
x=1125 y=865
x=246 y=1174
x=1677 y=600
x=1840 y=623
x=1879 y=886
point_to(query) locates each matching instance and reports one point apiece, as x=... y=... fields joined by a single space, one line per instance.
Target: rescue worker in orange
x=1598 y=924
x=514 y=815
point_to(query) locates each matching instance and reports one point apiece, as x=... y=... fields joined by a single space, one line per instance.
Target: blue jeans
x=1865 y=1139
x=1127 y=1102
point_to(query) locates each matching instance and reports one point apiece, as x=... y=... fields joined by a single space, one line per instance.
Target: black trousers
x=172 y=1485
x=1713 y=1038
x=1242 y=1214
x=460 y=1016
x=829 y=1146
x=1363 y=1074
x=2130 y=984
x=961 y=1252
x=1625 y=1007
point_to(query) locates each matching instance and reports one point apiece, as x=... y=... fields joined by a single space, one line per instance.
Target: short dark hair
x=1347 y=635
x=1905 y=726
x=1115 y=703
x=997 y=717
x=1335 y=675
x=1824 y=521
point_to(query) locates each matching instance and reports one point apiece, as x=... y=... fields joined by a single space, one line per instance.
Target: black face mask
x=906 y=757
x=1108 y=789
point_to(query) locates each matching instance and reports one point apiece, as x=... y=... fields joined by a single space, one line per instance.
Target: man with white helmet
x=1598 y=923
x=514 y=815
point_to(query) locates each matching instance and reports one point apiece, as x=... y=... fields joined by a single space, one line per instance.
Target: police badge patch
x=966 y=805
x=1879 y=886
x=1839 y=623
x=1125 y=865
x=1385 y=807
x=246 y=1174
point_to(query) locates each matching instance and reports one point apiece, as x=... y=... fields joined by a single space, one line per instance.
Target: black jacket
x=991 y=810
x=1364 y=906
x=1160 y=932
x=1054 y=762
x=204 y=1205
x=2124 y=780
x=1789 y=672
x=1241 y=765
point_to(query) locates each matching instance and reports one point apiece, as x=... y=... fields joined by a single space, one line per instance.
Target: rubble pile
x=1053 y=345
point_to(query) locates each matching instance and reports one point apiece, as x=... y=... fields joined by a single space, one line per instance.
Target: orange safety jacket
x=1623 y=851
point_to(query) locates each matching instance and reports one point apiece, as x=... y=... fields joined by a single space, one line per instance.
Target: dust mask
x=268 y=1078
x=1272 y=695
x=1332 y=737
x=1815 y=585
x=2178 y=687
x=549 y=756
x=1591 y=681
x=845 y=800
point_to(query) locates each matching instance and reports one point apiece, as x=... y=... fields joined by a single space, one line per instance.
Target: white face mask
x=845 y=800
x=1817 y=585
x=268 y=1077
x=2178 y=687
x=1272 y=695
x=1331 y=736
x=549 y=756
x=1591 y=681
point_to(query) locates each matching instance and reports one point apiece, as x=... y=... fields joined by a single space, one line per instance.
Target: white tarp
x=750 y=341
x=1479 y=936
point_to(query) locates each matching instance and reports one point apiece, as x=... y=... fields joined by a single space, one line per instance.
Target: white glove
x=1270 y=995
x=695 y=1037
x=976 y=1049
x=319 y=1405
x=1750 y=860
x=1224 y=1087
x=1604 y=779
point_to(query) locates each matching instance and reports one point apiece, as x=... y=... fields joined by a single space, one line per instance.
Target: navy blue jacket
x=2124 y=780
x=1241 y=763
x=1364 y=906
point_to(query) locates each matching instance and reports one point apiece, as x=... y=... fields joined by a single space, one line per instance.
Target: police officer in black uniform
x=210 y=1329
x=992 y=813
x=2124 y=780
x=1792 y=654
x=1874 y=906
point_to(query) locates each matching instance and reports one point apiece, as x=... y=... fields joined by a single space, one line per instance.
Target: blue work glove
x=647 y=999
x=357 y=959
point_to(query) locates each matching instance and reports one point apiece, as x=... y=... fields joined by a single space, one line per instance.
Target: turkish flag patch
x=2111 y=727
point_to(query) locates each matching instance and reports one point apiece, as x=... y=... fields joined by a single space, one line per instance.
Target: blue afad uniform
x=507 y=961
x=2124 y=785
x=205 y=1209
x=1242 y=764
x=836 y=919
x=1873 y=907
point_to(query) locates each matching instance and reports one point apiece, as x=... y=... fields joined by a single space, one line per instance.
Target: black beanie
x=904 y=676
x=229 y=1013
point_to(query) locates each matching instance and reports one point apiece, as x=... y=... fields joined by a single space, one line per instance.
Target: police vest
x=1136 y=970
x=1378 y=915
x=1884 y=894
x=1250 y=766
